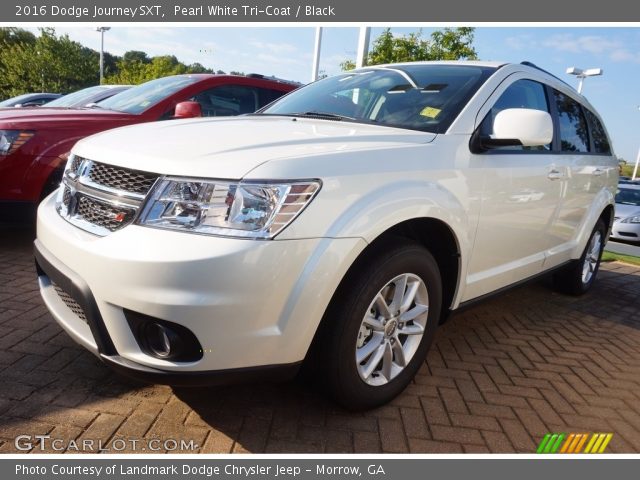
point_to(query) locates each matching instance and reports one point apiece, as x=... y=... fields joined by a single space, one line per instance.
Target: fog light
x=163 y=339
x=159 y=340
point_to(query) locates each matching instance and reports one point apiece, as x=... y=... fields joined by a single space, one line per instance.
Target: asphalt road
x=623 y=248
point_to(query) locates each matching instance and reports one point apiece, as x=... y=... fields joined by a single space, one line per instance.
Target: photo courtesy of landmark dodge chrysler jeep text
x=338 y=226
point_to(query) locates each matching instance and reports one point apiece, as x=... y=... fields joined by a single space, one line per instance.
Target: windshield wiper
x=322 y=115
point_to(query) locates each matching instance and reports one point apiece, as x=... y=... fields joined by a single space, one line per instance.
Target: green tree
x=135 y=56
x=198 y=68
x=447 y=44
x=13 y=35
x=50 y=63
x=134 y=68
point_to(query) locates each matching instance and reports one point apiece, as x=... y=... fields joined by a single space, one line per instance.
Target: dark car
x=87 y=96
x=29 y=100
x=35 y=142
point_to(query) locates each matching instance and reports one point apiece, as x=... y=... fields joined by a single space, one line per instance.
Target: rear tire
x=380 y=326
x=578 y=277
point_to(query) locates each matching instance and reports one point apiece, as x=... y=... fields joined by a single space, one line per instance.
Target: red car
x=35 y=143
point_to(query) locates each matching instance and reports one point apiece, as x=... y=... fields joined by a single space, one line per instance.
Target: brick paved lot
x=498 y=378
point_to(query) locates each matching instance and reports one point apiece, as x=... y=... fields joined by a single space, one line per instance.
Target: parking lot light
x=582 y=74
x=102 y=30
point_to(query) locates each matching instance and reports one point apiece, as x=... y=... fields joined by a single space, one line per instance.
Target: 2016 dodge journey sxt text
x=337 y=226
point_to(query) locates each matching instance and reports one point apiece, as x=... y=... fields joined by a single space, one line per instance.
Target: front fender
x=381 y=207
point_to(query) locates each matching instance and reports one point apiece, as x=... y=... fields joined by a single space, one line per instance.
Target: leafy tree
x=134 y=69
x=47 y=62
x=50 y=63
x=135 y=56
x=12 y=35
x=447 y=44
x=198 y=68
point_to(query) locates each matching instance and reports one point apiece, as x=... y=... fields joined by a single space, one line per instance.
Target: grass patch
x=616 y=257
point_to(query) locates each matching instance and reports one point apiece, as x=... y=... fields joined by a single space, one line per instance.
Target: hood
x=623 y=211
x=33 y=117
x=231 y=147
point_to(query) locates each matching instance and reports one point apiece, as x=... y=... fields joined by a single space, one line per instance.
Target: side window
x=268 y=95
x=228 y=100
x=520 y=94
x=600 y=140
x=574 y=135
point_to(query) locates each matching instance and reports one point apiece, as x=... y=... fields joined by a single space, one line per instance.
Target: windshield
x=416 y=97
x=76 y=99
x=140 y=98
x=628 y=196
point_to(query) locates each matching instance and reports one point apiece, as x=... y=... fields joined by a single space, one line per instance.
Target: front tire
x=381 y=325
x=578 y=277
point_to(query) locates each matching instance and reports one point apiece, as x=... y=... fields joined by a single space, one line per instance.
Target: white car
x=339 y=225
x=626 y=224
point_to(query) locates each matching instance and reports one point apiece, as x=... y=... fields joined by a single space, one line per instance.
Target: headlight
x=242 y=209
x=635 y=219
x=12 y=140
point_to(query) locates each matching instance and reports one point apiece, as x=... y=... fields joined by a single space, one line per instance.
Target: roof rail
x=273 y=78
x=533 y=65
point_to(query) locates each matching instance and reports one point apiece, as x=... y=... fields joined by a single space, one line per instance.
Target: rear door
x=584 y=154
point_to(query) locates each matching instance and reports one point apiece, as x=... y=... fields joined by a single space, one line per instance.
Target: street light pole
x=102 y=30
x=363 y=46
x=315 y=72
x=635 y=169
x=582 y=74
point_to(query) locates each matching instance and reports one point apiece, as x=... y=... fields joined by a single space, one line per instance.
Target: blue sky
x=287 y=52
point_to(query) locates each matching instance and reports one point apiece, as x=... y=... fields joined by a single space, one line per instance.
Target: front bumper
x=254 y=306
x=626 y=231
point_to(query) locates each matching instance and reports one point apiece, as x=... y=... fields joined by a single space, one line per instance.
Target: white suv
x=339 y=225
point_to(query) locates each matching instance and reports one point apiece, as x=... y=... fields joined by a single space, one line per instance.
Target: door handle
x=597 y=172
x=555 y=174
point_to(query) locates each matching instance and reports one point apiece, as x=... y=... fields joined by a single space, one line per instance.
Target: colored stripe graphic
x=543 y=443
x=581 y=443
x=574 y=442
x=592 y=441
x=606 y=441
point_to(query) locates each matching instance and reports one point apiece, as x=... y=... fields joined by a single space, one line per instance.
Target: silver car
x=626 y=224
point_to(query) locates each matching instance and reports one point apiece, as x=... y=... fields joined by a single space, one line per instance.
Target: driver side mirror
x=188 y=109
x=518 y=127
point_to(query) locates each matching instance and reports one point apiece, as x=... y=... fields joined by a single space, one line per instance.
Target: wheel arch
x=432 y=233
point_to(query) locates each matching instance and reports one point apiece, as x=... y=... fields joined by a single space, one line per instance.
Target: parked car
x=87 y=96
x=626 y=224
x=35 y=143
x=339 y=226
x=628 y=181
x=29 y=100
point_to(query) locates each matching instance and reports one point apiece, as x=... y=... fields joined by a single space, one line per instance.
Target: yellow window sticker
x=430 y=112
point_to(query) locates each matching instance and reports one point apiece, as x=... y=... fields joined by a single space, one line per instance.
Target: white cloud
x=597 y=45
x=520 y=42
x=277 y=48
x=593 y=44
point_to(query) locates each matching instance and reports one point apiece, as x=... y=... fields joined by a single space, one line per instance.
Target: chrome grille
x=121 y=178
x=75 y=165
x=102 y=198
x=66 y=197
x=70 y=303
x=104 y=215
